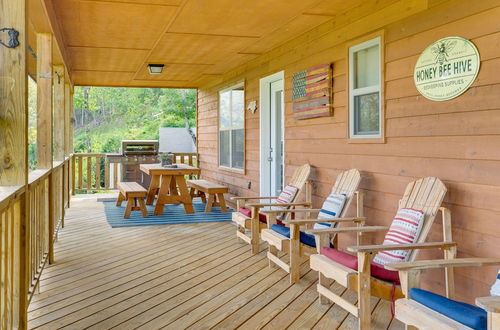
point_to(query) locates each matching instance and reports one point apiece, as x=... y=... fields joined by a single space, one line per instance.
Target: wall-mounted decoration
x=312 y=96
x=446 y=68
x=252 y=106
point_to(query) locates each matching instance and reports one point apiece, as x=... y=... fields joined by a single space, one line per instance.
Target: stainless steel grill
x=133 y=153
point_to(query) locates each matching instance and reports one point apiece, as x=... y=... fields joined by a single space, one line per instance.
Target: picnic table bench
x=134 y=194
x=215 y=192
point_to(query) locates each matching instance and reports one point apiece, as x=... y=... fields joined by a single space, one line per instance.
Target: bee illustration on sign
x=441 y=50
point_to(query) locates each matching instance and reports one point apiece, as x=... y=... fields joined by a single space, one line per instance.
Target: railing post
x=73 y=174
x=50 y=223
x=89 y=172
x=62 y=185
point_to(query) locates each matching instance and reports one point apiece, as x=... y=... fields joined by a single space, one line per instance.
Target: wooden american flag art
x=311 y=94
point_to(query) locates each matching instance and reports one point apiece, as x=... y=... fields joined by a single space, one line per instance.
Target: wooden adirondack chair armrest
x=443 y=263
x=347 y=230
x=489 y=304
x=252 y=197
x=290 y=211
x=391 y=247
x=278 y=204
x=312 y=221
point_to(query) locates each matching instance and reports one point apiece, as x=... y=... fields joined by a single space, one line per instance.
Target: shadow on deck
x=174 y=276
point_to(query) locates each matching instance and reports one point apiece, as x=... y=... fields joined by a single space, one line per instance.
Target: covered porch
x=63 y=266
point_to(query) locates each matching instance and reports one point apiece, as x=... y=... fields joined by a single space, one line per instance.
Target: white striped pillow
x=405 y=229
x=286 y=196
x=331 y=208
x=495 y=289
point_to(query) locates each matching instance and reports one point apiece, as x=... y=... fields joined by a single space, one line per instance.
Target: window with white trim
x=364 y=90
x=232 y=127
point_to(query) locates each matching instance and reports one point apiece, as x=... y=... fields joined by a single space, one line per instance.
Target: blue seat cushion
x=469 y=315
x=304 y=238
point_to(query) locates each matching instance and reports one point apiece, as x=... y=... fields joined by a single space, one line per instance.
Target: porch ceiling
x=110 y=42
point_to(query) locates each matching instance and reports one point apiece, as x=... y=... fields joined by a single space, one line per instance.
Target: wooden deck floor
x=178 y=276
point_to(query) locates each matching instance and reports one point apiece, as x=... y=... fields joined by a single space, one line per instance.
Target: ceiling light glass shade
x=155 y=68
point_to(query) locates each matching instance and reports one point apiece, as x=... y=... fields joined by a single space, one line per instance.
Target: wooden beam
x=13 y=97
x=57 y=31
x=71 y=131
x=68 y=129
x=59 y=113
x=14 y=151
x=44 y=100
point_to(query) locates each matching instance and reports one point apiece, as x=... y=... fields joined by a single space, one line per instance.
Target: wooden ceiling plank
x=144 y=62
x=110 y=40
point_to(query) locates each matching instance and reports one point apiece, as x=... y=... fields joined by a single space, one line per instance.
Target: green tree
x=105 y=116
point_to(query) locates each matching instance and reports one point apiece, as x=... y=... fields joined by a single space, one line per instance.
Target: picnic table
x=170 y=186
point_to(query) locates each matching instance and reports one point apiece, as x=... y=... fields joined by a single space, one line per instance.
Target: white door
x=272 y=135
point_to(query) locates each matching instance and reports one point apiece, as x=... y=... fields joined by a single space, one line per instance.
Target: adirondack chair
x=300 y=245
x=368 y=278
x=425 y=310
x=249 y=217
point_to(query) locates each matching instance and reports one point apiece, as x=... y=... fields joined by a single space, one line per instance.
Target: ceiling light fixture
x=155 y=68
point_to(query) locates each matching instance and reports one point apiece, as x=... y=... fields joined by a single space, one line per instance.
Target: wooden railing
x=12 y=210
x=190 y=158
x=30 y=218
x=93 y=172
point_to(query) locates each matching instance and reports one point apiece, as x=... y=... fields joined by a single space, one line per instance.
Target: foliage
x=32 y=122
x=105 y=116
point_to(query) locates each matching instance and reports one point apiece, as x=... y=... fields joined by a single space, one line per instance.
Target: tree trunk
x=186 y=118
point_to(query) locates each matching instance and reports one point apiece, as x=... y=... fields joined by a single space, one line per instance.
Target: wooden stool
x=134 y=194
x=200 y=188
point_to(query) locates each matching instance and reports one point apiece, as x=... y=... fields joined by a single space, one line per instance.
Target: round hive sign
x=446 y=68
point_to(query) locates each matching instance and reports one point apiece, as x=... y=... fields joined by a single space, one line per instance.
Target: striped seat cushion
x=331 y=208
x=405 y=229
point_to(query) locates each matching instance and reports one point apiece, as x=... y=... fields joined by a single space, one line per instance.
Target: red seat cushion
x=351 y=261
x=262 y=217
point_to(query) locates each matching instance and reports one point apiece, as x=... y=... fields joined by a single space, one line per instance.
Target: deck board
x=174 y=277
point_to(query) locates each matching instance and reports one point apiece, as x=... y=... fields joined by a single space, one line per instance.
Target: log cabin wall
x=457 y=140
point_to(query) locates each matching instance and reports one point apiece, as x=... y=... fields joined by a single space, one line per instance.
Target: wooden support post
x=13 y=98
x=68 y=129
x=70 y=90
x=44 y=100
x=59 y=113
x=13 y=149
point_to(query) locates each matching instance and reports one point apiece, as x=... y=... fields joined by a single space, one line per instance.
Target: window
x=364 y=90
x=231 y=127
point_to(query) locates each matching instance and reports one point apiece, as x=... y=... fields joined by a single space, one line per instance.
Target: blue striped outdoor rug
x=172 y=215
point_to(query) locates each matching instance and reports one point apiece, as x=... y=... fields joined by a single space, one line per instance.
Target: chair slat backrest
x=347 y=183
x=298 y=180
x=300 y=176
x=425 y=194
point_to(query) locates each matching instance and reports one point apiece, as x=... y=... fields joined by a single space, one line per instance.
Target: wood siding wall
x=457 y=140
